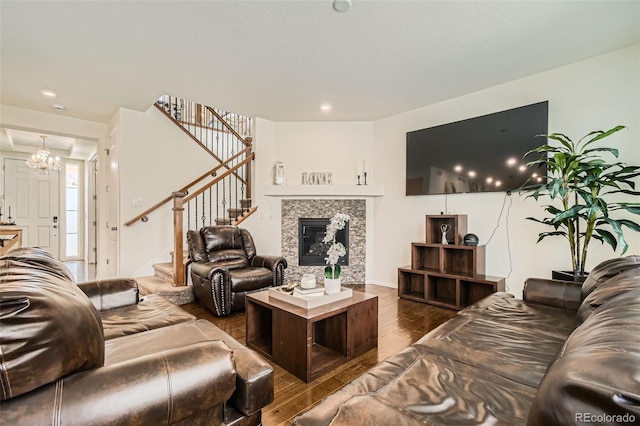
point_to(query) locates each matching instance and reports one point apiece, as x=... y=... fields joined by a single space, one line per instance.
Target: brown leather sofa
x=567 y=354
x=225 y=267
x=96 y=354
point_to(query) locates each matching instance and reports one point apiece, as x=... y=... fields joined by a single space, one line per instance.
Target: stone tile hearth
x=292 y=210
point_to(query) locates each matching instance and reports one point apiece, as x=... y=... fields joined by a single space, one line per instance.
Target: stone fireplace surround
x=292 y=210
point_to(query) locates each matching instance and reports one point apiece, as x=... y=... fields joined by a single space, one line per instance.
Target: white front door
x=32 y=201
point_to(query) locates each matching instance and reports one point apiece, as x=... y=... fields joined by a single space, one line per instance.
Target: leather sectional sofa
x=567 y=354
x=96 y=353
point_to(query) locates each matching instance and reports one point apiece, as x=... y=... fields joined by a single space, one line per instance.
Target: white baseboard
x=381 y=283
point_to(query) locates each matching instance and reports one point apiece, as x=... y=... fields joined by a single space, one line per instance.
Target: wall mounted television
x=481 y=154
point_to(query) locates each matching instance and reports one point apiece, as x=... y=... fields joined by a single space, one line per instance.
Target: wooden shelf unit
x=448 y=275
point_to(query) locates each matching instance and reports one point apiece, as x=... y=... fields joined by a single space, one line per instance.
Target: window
x=72 y=208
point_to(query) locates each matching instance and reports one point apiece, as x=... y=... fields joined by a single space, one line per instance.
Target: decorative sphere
x=470 y=240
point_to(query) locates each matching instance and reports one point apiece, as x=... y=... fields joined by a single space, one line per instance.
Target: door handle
x=114 y=228
x=55 y=226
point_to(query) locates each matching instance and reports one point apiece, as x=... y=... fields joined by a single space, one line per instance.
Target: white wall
x=156 y=158
x=335 y=147
x=595 y=94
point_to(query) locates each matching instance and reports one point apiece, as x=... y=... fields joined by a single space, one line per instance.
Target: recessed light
x=522 y=168
x=489 y=179
x=325 y=107
x=472 y=173
x=511 y=162
x=58 y=107
x=48 y=93
x=458 y=168
x=341 y=5
x=498 y=183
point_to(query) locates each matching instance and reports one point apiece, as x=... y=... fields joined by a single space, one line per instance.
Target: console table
x=15 y=237
x=310 y=342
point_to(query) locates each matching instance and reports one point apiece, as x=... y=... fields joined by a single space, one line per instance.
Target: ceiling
x=281 y=60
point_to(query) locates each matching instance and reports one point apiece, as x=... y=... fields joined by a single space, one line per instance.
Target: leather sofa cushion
x=598 y=369
x=610 y=328
x=221 y=238
x=520 y=354
x=415 y=388
x=39 y=259
x=607 y=269
x=617 y=286
x=229 y=258
x=250 y=279
x=49 y=328
x=593 y=382
x=112 y=293
x=197 y=251
x=152 y=312
x=507 y=310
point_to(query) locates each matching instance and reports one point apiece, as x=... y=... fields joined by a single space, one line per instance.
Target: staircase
x=221 y=195
x=162 y=282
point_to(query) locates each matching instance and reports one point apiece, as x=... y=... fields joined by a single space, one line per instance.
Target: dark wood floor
x=400 y=323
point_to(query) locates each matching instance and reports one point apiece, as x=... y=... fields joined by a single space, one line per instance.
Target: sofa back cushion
x=50 y=328
x=597 y=372
x=225 y=245
x=197 y=250
x=607 y=269
x=615 y=287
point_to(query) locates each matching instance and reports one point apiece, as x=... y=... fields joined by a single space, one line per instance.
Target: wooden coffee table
x=310 y=342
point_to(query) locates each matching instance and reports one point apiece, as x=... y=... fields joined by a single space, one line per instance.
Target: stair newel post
x=248 y=141
x=178 y=244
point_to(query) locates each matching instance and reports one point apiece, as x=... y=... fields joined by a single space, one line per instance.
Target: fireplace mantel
x=323 y=190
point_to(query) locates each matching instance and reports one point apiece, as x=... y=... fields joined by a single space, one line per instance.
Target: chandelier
x=42 y=162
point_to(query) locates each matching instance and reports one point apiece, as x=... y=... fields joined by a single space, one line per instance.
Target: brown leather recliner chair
x=225 y=267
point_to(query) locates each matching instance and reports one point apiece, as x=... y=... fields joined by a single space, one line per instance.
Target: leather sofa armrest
x=211 y=285
x=277 y=264
x=269 y=262
x=112 y=293
x=207 y=270
x=254 y=381
x=555 y=293
x=164 y=388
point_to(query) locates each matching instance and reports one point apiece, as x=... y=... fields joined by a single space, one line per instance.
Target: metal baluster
x=189 y=215
x=195 y=216
x=204 y=215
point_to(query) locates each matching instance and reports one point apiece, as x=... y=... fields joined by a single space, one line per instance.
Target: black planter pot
x=578 y=277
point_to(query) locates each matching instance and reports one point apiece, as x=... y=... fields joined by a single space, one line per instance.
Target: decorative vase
x=332 y=285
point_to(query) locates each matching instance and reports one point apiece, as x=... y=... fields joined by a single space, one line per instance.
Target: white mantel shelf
x=323 y=190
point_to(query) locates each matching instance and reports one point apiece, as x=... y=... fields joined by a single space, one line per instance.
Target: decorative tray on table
x=308 y=301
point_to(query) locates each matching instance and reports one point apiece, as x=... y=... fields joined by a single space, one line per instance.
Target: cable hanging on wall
x=504 y=202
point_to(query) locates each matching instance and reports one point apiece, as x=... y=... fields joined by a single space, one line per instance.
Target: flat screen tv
x=481 y=154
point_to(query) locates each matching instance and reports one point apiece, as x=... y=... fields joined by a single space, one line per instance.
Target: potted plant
x=334 y=253
x=587 y=187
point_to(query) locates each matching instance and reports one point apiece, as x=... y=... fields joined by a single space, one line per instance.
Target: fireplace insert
x=311 y=250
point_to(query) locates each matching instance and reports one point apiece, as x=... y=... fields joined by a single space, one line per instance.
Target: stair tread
x=178 y=295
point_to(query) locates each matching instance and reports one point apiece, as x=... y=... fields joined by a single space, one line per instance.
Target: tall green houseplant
x=586 y=186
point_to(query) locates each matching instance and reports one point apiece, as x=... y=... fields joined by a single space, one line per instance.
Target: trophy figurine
x=445 y=228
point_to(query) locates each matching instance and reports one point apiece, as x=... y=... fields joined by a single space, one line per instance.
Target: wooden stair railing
x=246 y=141
x=236 y=172
x=247 y=152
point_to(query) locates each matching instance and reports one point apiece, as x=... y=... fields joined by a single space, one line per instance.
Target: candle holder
x=359 y=180
x=365 y=178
